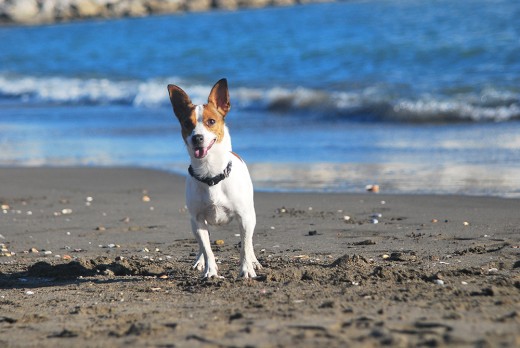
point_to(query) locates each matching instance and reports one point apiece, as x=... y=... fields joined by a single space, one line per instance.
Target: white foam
x=489 y=105
x=67 y=90
x=433 y=110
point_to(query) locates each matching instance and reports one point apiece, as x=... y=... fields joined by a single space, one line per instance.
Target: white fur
x=219 y=204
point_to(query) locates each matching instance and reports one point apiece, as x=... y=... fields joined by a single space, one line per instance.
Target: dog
x=219 y=186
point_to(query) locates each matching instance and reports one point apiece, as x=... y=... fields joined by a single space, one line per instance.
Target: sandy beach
x=102 y=257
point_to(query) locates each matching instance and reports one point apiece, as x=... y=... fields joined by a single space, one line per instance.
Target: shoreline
x=351 y=178
x=34 y=12
x=102 y=257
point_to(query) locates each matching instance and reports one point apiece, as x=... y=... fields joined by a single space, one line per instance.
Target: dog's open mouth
x=201 y=152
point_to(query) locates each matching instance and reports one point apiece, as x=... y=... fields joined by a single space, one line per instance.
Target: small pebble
x=377 y=215
x=29 y=292
x=438 y=281
x=385 y=256
x=374 y=221
x=146 y=198
x=47 y=252
x=66 y=211
x=435 y=220
x=465 y=223
x=33 y=250
x=219 y=242
x=464 y=283
x=5 y=207
x=346 y=218
x=272 y=227
x=89 y=199
x=313 y=233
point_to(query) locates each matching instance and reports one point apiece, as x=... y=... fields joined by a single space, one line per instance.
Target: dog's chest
x=213 y=207
x=217 y=215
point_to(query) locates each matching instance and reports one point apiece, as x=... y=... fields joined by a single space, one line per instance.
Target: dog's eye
x=211 y=122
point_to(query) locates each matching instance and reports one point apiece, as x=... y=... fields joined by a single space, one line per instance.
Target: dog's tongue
x=201 y=152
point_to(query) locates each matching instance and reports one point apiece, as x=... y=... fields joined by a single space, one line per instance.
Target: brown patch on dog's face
x=216 y=109
x=213 y=121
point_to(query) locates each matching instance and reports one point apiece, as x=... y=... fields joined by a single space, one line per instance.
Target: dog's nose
x=197 y=139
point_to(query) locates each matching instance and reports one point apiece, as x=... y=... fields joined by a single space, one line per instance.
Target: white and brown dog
x=219 y=187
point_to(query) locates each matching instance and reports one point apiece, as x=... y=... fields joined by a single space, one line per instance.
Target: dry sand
x=115 y=269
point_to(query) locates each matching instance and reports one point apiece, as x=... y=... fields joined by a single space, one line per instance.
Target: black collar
x=214 y=180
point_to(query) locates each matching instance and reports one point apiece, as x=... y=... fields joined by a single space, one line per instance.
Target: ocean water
x=416 y=96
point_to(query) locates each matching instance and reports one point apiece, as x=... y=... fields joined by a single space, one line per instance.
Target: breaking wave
x=374 y=103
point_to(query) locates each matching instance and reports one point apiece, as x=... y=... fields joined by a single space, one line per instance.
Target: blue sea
x=415 y=96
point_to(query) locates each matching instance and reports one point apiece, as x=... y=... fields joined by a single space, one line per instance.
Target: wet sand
x=102 y=258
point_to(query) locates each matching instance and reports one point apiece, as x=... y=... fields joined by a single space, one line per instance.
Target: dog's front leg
x=200 y=264
x=205 y=256
x=248 y=260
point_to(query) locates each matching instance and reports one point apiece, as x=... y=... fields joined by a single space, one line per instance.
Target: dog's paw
x=212 y=273
x=257 y=265
x=248 y=270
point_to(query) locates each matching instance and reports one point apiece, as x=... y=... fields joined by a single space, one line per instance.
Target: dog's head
x=202 y=126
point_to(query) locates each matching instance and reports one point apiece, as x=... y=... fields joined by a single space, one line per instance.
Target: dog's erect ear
x=181 y=103
x=219 y=97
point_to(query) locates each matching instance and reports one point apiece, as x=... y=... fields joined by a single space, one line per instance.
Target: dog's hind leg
x=248 y=260
x=205 y=257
